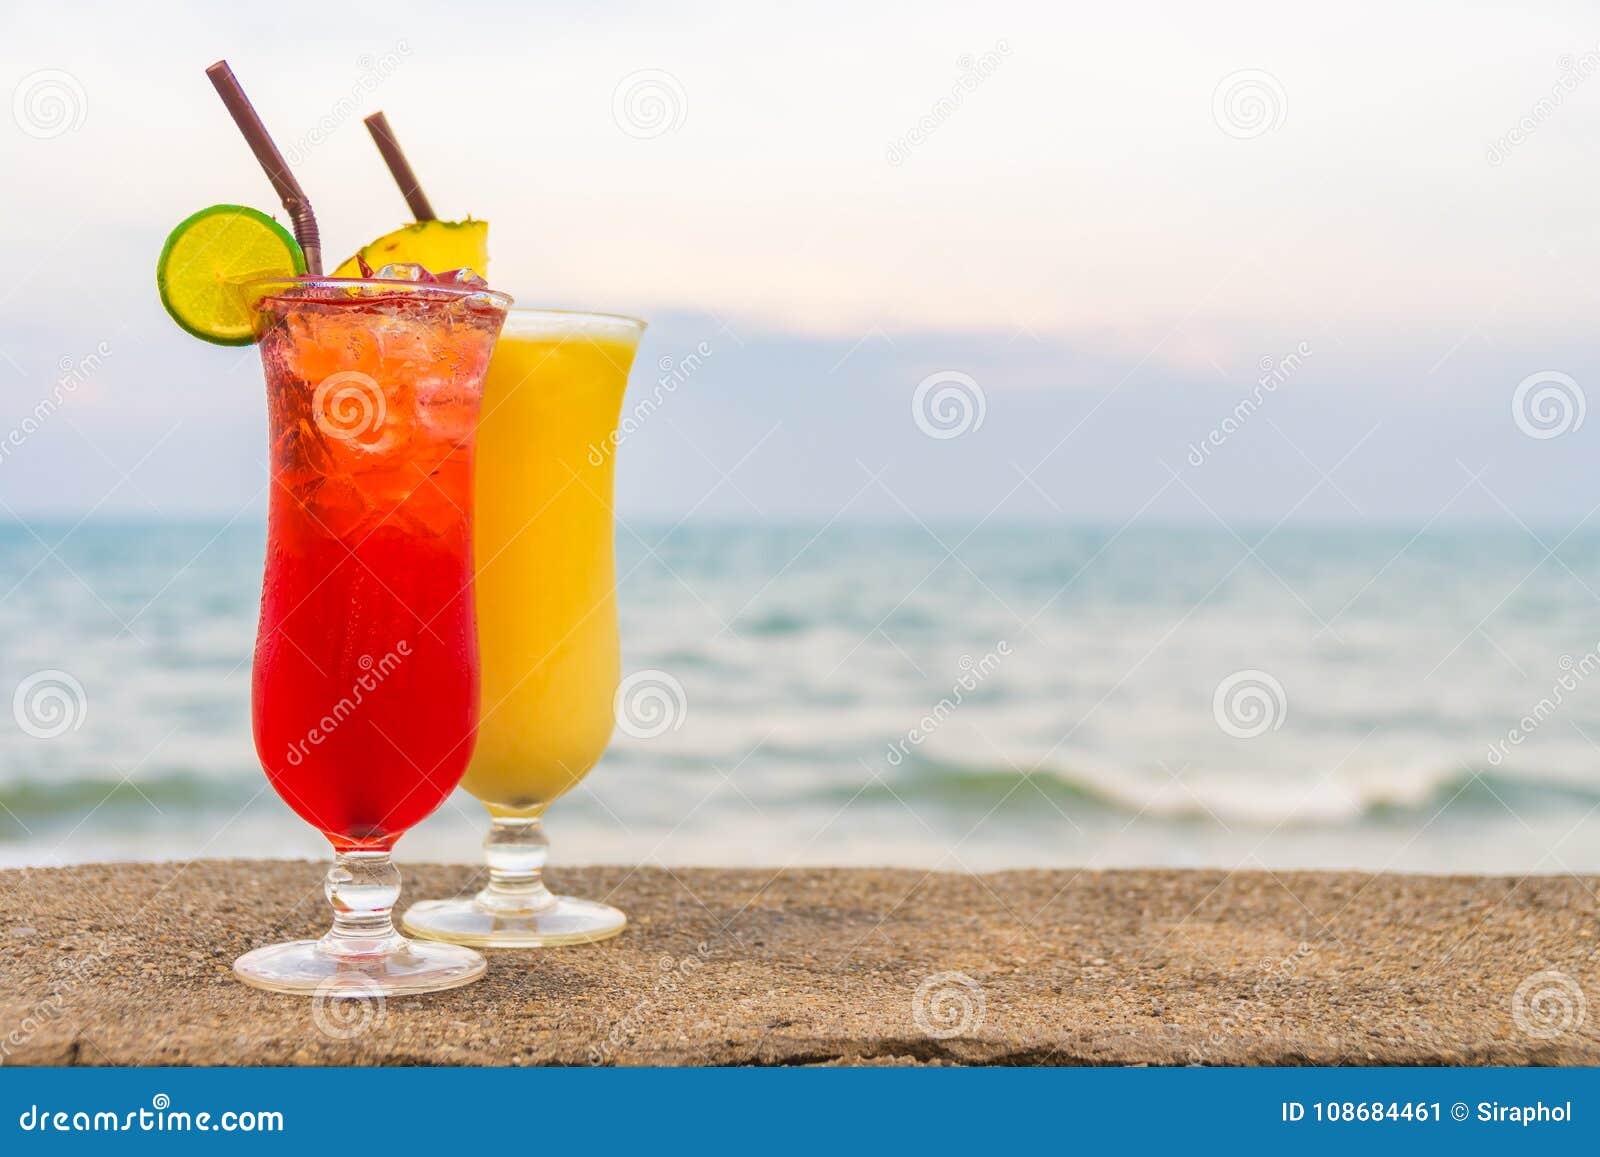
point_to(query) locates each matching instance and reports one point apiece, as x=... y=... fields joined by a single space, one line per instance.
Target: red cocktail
x=366 y=667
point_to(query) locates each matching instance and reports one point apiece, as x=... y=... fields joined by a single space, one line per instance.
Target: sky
x=953 y=262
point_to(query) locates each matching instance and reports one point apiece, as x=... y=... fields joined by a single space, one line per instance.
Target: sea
x=941 y=697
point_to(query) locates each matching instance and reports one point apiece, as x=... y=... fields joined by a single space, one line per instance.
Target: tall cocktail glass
x=547 y=615
x=366 y=694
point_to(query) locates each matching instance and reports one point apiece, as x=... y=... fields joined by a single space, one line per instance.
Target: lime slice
x=208 y=256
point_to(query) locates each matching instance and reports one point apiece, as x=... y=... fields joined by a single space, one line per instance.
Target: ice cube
x=302 y=449
x=430 y=510
x=405 y=271
x=464 y=277
x=340 y=506
x=447 y=415
x=384 y=436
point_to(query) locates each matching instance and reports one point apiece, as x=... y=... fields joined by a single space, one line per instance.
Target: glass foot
x=303 y=967
x=466 y=921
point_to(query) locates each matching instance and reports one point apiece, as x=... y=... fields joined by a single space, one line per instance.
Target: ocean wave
x=32 y=802
x=1083 y=791
x=1398 y=799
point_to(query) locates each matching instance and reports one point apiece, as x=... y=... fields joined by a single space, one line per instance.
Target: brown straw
x=277 y=169
x=399 y=167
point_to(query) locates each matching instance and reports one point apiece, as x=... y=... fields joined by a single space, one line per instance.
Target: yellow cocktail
x=547 y=613
x=546 y=584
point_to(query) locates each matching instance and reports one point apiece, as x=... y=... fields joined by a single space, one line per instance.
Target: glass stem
x=516 y=850
x=363 y=888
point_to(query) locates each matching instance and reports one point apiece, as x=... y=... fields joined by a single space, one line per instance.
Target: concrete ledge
x=130 y=965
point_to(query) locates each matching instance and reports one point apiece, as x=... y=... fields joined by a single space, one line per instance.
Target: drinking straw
x=399 y=167
x=294 y=199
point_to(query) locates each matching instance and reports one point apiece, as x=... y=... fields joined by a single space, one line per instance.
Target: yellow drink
x=547 y=615
x=546 y=579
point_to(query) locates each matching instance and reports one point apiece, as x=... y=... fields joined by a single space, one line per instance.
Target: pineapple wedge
x=437 y=246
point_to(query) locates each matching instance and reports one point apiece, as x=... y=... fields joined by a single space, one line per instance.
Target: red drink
x=366 y=666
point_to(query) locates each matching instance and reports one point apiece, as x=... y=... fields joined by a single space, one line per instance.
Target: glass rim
x=325 y=287
x=544 y=312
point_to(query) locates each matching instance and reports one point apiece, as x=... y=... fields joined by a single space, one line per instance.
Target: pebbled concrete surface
x=130 y=965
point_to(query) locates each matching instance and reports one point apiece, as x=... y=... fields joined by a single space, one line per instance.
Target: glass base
x=465 y=921
x=304 y=968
